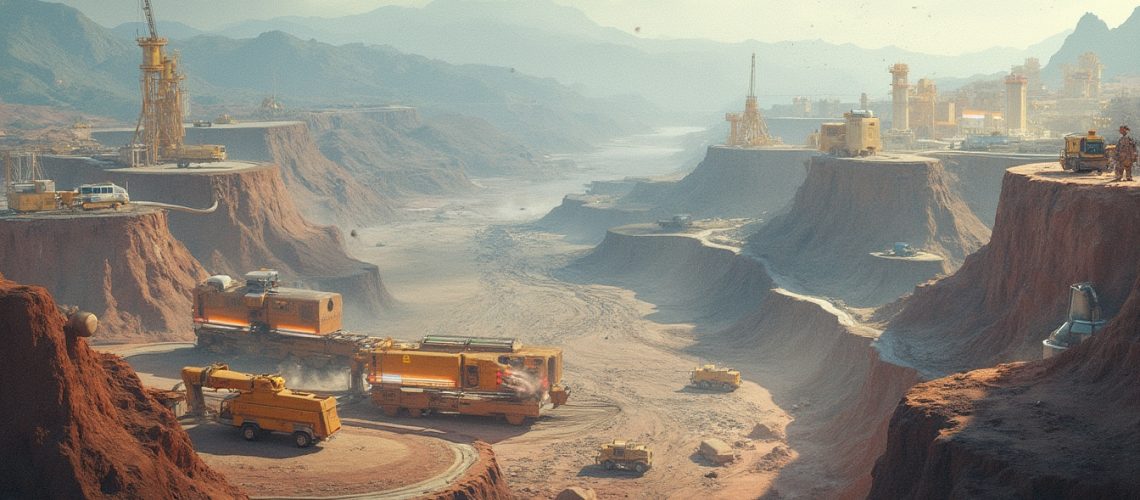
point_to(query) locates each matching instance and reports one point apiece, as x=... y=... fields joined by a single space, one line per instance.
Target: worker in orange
x=1125 y=155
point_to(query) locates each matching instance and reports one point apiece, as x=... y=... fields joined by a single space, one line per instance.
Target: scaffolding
x=748 y=129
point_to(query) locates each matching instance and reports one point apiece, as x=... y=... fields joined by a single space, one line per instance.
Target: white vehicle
x=102 y=195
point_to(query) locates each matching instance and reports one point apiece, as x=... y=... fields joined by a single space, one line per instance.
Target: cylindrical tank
x=83 y=323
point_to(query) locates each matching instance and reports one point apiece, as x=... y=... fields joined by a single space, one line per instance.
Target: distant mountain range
x=542 y=38
x=1117 y=48
x=51 y=54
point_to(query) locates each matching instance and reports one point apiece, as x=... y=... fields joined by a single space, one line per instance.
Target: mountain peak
x=1090 y=22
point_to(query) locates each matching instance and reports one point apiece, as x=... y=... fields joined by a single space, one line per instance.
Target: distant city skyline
x=930 y=26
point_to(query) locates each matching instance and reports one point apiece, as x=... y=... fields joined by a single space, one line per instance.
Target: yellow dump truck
x=857 y=135
x=629 y=455
x=261 y=403
x=198 y=153
x=1086 y=152
x=466 y=376
x=711 y=377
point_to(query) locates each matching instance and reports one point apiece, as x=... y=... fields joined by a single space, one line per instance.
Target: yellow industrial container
x=411 y=368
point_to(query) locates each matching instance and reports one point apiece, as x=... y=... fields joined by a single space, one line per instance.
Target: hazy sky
x=933 y=26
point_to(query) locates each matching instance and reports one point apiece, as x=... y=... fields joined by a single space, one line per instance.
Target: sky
x=930 y=26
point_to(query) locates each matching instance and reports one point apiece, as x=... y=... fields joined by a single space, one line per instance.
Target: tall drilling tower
x=748 y=128
x=160 y=123
x=159 y=135
x=900 y=89
x=1016 y=102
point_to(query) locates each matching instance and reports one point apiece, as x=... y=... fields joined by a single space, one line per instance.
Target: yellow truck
x=1086 y=152
x=710 y=377
x=857 y=135
x=260 y=403
x=198 y=153
x=628 y=455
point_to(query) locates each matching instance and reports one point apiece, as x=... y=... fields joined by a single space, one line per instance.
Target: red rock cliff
x=1065 y=427
x=848 y=207
x=1052 y=230
x=125 y=267
x=78 y=424
x=257 y=224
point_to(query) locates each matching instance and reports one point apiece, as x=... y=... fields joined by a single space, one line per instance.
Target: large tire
x=302 y=439
x=726 y=387
x=515 y=419
x=704 y=384
x=250 y=432
x=608 y=465
x=640 y=467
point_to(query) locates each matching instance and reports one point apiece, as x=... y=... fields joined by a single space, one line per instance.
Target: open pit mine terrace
x=806 y=305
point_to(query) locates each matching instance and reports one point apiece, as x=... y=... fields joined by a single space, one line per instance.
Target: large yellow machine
x=858 y=135
x=1085 y=153
x=257 y=316
x=711 y=377
x=468 y=376
x=261 y=403
x=159 y=134
x=443 y=374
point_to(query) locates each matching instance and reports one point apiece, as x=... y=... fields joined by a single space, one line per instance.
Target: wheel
x=727 y=387
x=250 y=432
x=302 y=439
x=514 y=419
x=640 y=467
x=391 y=411
x=704 y=384
x=608 y=465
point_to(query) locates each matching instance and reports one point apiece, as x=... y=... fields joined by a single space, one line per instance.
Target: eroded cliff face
x=728 y=183
x=125 y=267
x=1064 y=427
x=976 y=177
x=484 y=480
x=818 y=364
x=1052 y=230
x=78 y=424
x=849 y=207
x=256 y=225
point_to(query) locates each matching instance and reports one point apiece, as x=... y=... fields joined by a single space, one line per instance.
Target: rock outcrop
x=125 y=267
x=483 y=480
x=1053 y=229
x=78 y=424
x=849 y=207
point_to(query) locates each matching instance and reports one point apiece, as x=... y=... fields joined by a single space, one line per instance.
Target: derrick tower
x=900 y=92
x=748 y=128
x=159 y=127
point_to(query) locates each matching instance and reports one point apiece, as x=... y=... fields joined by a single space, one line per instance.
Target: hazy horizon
x=922 y=26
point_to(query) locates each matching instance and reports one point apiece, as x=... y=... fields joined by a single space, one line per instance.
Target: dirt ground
x=461 y=270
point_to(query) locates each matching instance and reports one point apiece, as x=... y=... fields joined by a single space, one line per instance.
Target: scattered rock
x=577 y=493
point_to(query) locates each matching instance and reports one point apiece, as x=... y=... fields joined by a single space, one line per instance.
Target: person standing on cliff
x=1125 y=154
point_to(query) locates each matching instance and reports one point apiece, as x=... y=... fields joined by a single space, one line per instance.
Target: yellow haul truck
x=858 y=135
x=466 y=376
x=1084 y=153
x=261 y=403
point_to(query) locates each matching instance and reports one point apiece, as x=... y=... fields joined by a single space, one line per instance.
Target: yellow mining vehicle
x=261 y=403
x=1084 y=153
x=624 y=455
x=711 y=377
x=857 y=135
x=466 y=376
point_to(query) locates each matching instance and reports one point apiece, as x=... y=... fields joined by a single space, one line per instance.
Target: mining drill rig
x=159 y=133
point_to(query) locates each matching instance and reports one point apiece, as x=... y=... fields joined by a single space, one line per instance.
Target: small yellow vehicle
x=626 y=455
x=710 y=377
x=1085 y=153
